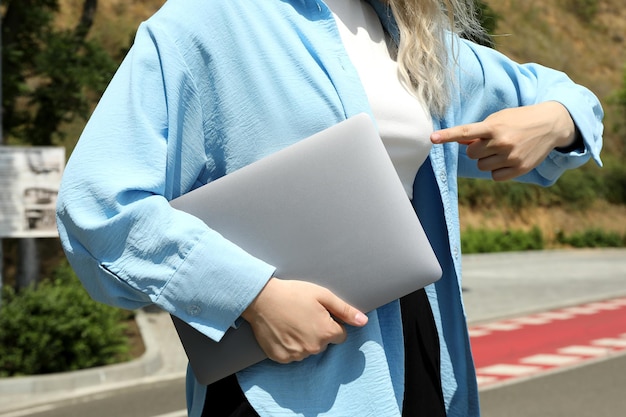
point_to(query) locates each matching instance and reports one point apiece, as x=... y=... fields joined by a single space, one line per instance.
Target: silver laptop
x=329 y=209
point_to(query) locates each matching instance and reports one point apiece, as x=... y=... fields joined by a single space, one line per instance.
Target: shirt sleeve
x=144 y=145
x=488 y=82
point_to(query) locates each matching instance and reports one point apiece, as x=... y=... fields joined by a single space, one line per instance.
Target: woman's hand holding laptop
x=292 y=319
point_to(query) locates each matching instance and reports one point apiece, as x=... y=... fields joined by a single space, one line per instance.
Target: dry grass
x=550 y=220
x=544 y=31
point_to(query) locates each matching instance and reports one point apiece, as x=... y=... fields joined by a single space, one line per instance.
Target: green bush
x=485 y=241
x=615 y=183
x=57 y=327
x=484 y=193
x=575 y=190
x=578 y=188
x=592 y=238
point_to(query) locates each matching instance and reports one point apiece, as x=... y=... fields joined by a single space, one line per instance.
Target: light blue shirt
x=213 y=85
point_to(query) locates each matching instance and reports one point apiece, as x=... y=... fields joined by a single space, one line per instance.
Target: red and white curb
x=527 y=346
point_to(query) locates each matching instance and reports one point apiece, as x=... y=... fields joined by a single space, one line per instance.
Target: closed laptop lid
x=329 y=209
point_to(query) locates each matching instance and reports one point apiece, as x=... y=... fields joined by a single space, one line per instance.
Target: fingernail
x=435 y=138
x=360 y=319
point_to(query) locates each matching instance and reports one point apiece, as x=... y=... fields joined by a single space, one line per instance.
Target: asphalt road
x=161 y=399
x=594 y=390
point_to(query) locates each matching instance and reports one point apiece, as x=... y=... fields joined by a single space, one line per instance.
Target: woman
x=213 y=85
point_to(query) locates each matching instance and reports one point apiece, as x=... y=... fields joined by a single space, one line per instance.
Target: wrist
x=575 y=145
x=250 y=312
x=566 y=133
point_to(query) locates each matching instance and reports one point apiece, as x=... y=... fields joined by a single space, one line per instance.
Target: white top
x=404 y=124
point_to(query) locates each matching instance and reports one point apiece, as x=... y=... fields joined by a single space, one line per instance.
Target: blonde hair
x=426 y=28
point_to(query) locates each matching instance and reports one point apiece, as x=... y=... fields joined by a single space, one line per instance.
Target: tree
x=47 y=76
x=48 y=72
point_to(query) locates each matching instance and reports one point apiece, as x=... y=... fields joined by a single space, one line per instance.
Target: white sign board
x=29 y=185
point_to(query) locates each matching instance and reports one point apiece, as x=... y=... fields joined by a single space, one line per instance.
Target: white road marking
x=478 y=332
x=618 y=343
x=484 y=380
x=555 y=315
x=503 y=326
x=509 y=370
x=532 y=320
x=585 y=350
x=551 y=360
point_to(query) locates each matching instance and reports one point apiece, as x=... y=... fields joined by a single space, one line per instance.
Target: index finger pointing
x=464 y=134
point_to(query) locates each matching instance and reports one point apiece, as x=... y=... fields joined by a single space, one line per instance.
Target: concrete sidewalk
x=508 y=284
x=495 y=286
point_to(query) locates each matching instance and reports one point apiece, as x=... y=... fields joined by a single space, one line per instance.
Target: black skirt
x=422 y=394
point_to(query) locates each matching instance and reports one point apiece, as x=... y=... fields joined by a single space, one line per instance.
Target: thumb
x=342 y=311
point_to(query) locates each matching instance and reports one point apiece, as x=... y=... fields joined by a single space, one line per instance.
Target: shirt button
x=442 y=176
x=456 y=251
x=193 y=310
